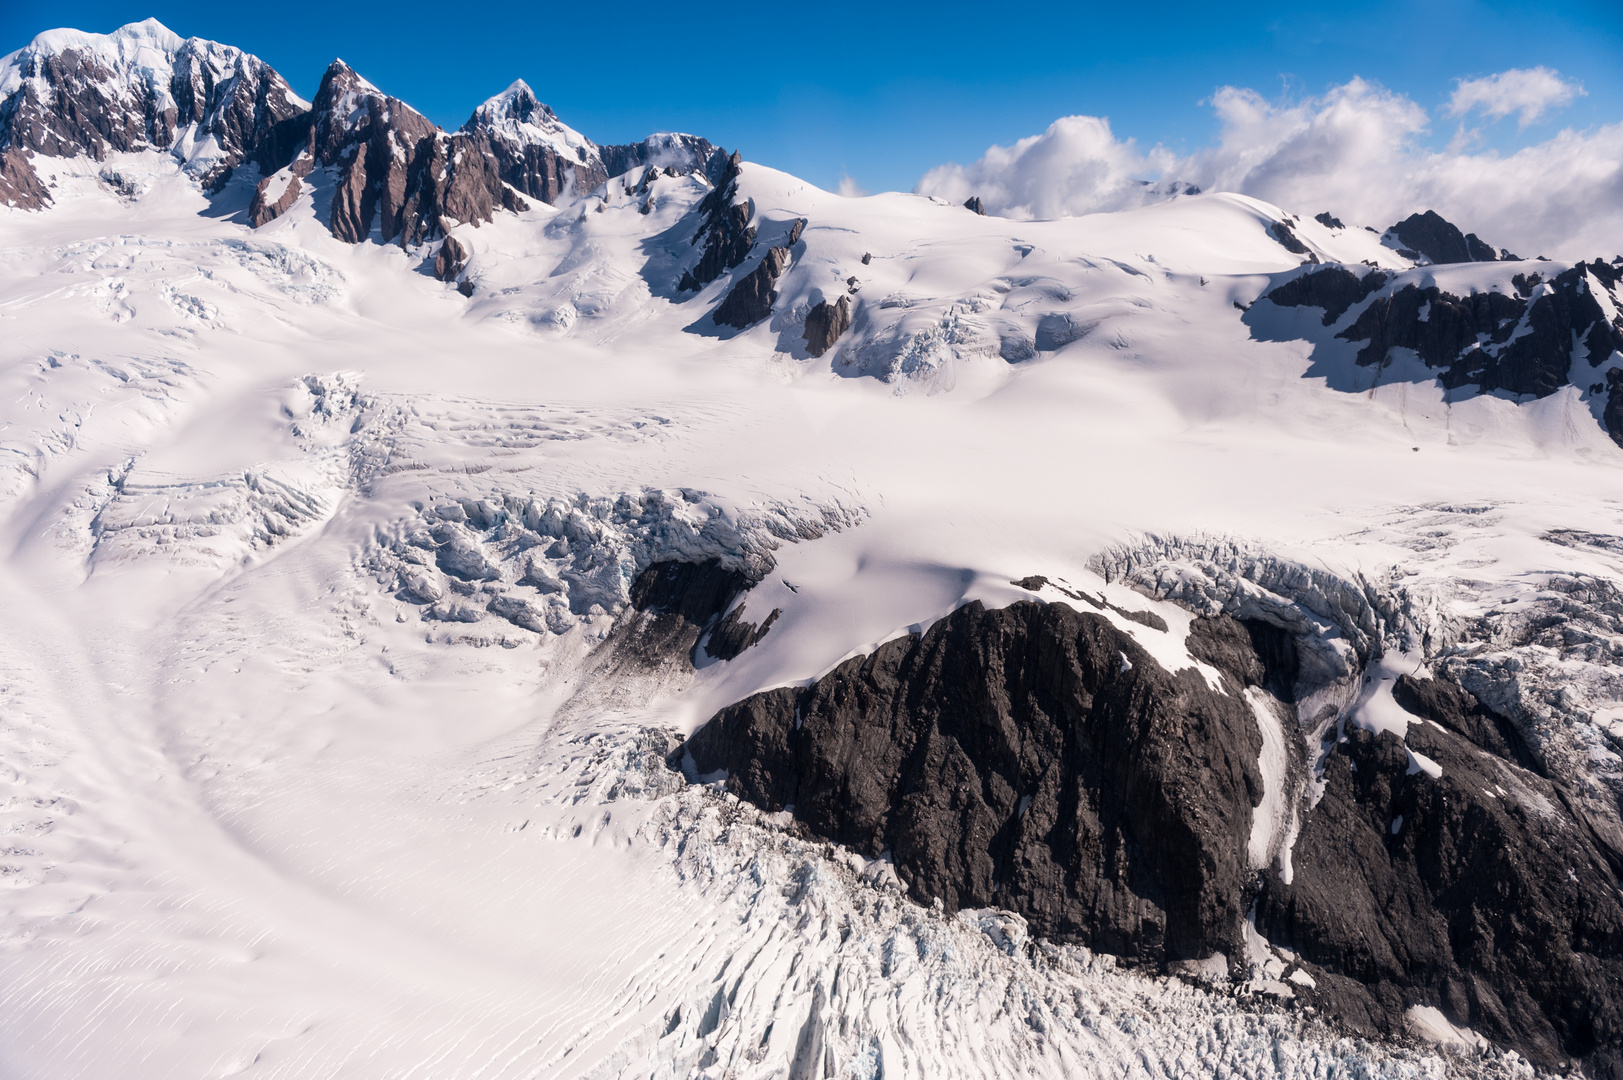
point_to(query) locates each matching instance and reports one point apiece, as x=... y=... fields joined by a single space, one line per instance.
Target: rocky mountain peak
x=1430 y=237
x=143 y=87
x=348 y=110
x=517 y=104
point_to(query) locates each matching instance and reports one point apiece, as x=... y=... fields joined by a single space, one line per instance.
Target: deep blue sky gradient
x=885 y=92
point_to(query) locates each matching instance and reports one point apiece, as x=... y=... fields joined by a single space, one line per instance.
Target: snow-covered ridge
x=517 y=115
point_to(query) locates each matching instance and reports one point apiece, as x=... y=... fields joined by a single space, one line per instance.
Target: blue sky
x=883 y=93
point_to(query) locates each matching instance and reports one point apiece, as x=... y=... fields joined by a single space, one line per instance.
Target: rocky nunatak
x=1036 y=758
x=1532 y=337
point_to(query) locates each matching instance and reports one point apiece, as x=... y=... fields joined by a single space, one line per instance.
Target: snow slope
x=274 y=808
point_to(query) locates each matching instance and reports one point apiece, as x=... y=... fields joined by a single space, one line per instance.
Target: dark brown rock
x=71 y=103
x=1434 y=237
x=265 y=207
x=1031 y=758
x=1034 y=758
x=451 y=260
x=733 y=634
x=1476 y=892
x=1288 y=240
x=825 y=323
x=1328 y=221
x=1334 y=288
x=974 y=204
x=751 y=299
x=725 y=229
x=1493 y=340
x=20 y=185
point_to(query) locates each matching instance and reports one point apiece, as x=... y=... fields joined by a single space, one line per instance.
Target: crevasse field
x=280 y=798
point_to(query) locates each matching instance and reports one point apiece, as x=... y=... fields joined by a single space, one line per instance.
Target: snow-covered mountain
x=486 y=603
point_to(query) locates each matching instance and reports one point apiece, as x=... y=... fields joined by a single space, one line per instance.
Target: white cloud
x=1356 y=151
x=1077 y=166
x=850 y=188
x=1528 y=92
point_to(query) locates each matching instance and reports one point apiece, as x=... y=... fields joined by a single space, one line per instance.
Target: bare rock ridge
x=19 y=184
x=1037 y=759
x=216 y=108
x=539 y=156
x=751 y=299
x=1428 y=237
x=825 y=323
x=724 y=228
x=212 y=106
x=1525 y=341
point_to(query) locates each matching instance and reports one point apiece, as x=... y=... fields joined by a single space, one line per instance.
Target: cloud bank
x=1355 y=151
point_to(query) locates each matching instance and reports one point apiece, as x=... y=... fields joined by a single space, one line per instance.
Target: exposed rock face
x=725 y=229
x=751 y=299
x=539 y=155
x=1030 y=758
x=1328 y=221
x=1335 y=289
x=374 y=142
x=974 y=203
x=1476 y=890
x=675 y=153
x=1288 y=240
x=733 y=634
x=1522 y=342
x=20 y=185
x=531 y=148
x=270 y=201
x=1034 y=758
x=825 y=323
x=680 y=601
x=451 y=260
x=1432 y=236
x=214 y=107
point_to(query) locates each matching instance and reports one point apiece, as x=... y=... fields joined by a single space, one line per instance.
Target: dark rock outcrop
x=676 y=154
x=20 y=185
x=1335 y=289
x=1494 y=340
x=725 y=229
x=751 y=299
x=1328 y=221
x=733 y=634
x=450 y=260
x=1439 y=241
x=216 y=108
x=1036 y=759
x=1282 y=232
x=505 y=130
x=974 y=204
x=212 y=106
x=1476 y=891
x=1030 y=758
x=825 y=323
x=1524 y=342
x=674 y=604
x=270 y=201
x=532 y=150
